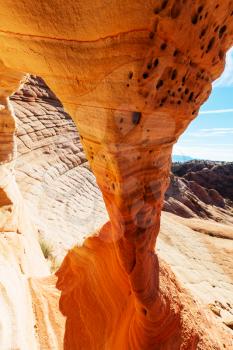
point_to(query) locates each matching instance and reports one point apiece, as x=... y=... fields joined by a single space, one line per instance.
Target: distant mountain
x=181 y=158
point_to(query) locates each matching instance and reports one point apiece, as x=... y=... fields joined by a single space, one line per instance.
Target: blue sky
x=210 y=135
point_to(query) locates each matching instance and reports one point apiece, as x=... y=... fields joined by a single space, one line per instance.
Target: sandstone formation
x=51 y=170
x=132 y=76
x=20 y=258
x=187 y=198
x=199 y=251
x=176 y=243
x=211 y=175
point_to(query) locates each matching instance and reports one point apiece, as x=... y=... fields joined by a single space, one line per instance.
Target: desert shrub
x=46 y=249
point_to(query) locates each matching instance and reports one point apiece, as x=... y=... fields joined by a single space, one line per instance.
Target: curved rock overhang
x=132 y=76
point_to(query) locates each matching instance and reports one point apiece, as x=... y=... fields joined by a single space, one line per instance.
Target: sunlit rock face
x=132 y=75
x=52 y=171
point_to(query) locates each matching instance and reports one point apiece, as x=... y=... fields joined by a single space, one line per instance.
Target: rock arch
x=132 y=76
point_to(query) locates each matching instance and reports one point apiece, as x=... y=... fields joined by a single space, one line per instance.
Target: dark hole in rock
x=145 y=75
x=163 y=46
x=203 y=32
x=130 y=75
x=136 y=117
x=194 y=19
x=151 y=35
x=159 y=84
x=175 y=53
x=174 y=74
x=200 y=8
x=191 y=96
x=164 y=4
x=222 y=31
x=193 y=64
x=156 y=62
x=211 y=44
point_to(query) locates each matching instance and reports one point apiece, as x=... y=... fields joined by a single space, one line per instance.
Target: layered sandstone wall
x=20 y=252
x=51 y=170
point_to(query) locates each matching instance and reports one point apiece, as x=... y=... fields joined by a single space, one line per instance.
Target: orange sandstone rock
x=133 y=75
x=9 y=83
x=102 y=312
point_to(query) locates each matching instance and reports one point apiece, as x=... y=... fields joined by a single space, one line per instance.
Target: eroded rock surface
x=52 y=171
x=132 y=76
x=198 y=250
x=187 y=198
x=175 y=245
x=208 y=174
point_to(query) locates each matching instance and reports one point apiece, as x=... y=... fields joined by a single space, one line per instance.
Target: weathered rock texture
x=20 y=259
x=199 y=251
x=209 y=174
x=51 y=169
x=132 y=75
x=190 y=198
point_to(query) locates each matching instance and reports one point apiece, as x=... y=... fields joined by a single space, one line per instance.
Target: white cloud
x=226 y=79
x=211 y=132
x=222 y=152
x=217 y=111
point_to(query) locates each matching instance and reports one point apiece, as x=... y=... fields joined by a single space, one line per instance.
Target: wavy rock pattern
x=51 y=169
x=199 y=251
x=102 y=307
x=132 y=77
